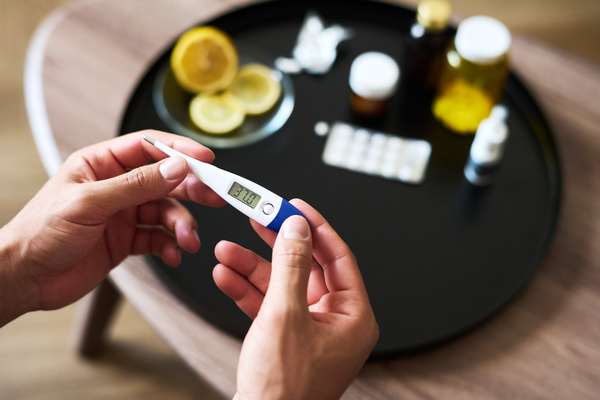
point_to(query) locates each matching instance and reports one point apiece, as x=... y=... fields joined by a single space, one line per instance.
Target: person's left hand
x=106 y=202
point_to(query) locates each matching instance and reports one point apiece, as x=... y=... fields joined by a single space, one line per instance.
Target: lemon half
x=214 y=114
x=256 y=88
x=204 y=59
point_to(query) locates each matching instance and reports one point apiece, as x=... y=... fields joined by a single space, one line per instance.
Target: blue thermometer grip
x=285 y=211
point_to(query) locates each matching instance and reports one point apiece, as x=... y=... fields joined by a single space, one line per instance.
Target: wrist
x=15 y=291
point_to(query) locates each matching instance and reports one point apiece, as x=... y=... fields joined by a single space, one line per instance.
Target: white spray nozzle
x=491 y=136
x=499 y=113
x=493 y=130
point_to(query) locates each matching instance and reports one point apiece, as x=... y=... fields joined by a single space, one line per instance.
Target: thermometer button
x=268 y=208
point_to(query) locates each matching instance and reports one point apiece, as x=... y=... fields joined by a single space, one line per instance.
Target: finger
x=267 y=235
x=182 y=144
x=157 y=241
x=339 y=265
x=314 y=218
x=114 y=157
x=137 y=186
x=246 y=296
x=291 y=265
x=131 y=151
x=246 y=263
x=192 y=189
x=175 y=218
x=258 y=271
x=317 y=286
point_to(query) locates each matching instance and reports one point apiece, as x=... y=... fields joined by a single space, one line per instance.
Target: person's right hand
x=107 y=201
x=313 y=325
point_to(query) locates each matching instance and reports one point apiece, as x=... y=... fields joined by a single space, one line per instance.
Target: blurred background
x=35 y=360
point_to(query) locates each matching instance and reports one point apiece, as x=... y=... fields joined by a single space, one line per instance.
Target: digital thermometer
x=258 y=203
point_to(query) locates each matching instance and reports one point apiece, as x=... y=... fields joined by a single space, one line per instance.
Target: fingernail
x=295 y=227
x=172 y=168
x=195 y=234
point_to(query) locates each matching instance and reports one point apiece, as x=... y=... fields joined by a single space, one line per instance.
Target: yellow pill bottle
x=474 y=74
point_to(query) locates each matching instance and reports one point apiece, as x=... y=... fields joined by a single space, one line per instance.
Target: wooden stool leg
x=93 y=317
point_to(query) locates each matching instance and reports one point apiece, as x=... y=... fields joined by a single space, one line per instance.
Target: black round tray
x=438 y=258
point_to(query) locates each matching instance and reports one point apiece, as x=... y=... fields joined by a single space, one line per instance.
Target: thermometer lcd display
x=243 y=194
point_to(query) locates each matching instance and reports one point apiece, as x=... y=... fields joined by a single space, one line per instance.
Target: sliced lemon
x=204 y=59
x=256 y=88
x=214 y=114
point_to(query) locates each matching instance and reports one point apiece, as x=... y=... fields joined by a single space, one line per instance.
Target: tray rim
x=551 y=159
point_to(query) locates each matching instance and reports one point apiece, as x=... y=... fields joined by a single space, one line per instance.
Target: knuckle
x=137 y=180
x=295 y=255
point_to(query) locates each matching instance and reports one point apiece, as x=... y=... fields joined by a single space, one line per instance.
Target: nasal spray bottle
x=487 y=148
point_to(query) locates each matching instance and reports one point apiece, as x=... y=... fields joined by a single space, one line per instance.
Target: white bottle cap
x=482 y=40
x=374 y=75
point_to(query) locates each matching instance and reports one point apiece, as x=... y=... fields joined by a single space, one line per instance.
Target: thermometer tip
x=149 y=139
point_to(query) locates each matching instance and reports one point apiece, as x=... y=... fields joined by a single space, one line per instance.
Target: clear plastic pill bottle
x=475 y=71
x=373 y=81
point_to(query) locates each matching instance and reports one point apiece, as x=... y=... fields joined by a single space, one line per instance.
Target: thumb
x=291 y=264
x=140 y=185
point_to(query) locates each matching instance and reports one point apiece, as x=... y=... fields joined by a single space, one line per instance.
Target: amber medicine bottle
x=373 y=81
x=426 y=45
x=475 y=70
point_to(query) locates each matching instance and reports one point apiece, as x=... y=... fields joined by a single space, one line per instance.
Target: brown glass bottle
x=426 y=44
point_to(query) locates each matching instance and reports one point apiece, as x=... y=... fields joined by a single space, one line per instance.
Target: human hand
x=103 y=204
x=313 y=325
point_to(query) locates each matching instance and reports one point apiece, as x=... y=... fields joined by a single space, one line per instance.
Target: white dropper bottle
x=487 y=147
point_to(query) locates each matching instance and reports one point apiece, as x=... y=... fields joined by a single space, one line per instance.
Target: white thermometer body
x=251 y=199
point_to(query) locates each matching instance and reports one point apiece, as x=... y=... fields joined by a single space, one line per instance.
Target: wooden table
x=86 y=59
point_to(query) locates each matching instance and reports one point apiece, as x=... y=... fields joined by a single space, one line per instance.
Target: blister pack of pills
x=375 y=153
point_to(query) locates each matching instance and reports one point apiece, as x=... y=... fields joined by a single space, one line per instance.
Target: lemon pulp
x=204 y=59
x=213 y=114
x=256 y=88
